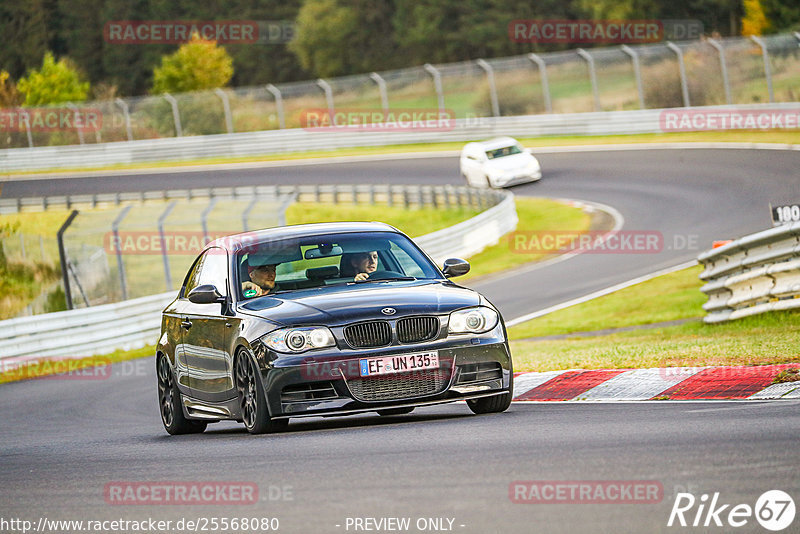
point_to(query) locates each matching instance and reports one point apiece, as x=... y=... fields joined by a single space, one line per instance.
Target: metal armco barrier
x=294 y=140
x=753 y=274
x=137 y=322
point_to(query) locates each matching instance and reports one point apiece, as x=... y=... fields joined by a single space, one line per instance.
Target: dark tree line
x=335 y=37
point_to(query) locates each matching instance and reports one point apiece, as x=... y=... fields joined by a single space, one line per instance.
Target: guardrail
x=753 y=274
x=400 y=195
x=303 y=140
x=136 y=323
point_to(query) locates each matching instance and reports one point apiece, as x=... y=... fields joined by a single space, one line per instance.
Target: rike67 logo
x=774 y=510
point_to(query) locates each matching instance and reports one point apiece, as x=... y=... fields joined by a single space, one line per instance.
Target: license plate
x=402 y=363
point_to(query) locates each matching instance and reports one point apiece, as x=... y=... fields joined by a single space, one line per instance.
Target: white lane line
x=639 y=384
x=600 y=293
x=528 y=381
x=787 y=390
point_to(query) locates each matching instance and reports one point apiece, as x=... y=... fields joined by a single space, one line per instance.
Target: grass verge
x=762 y=339
x=71 y=369
x=759 y=340
x=412 y=221
x=739 y=136
x=665 y=298
x=535 y=215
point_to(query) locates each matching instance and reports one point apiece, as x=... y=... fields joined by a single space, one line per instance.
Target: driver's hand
x=256 y=287
x=361 y=276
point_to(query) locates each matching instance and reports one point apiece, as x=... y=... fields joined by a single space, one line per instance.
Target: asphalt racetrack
x=62 y=442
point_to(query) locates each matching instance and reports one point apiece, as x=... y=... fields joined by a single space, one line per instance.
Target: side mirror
x=455 y=267
x=205 y=294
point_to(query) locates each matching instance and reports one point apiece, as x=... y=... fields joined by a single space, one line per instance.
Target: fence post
x=767 y=70
x=492 y=87
x=120 y=265
x=204 y=219
x=278 y=104
x=548 y=106
x=226 y=107
x=382 y=89
x=326 y=87
x=723 y=65
x=161 y=219
x=637 y=72
x=25 y=114
x=74 y=109
x=62 y=255
x=284 y=205
x=682 y=69
x=592 y=76
x=176 y=116
x=126 y=112
x=246 y=213
x=437 y=83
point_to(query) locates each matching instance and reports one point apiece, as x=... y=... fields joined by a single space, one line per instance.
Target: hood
x=337 y=305
x=508 y=163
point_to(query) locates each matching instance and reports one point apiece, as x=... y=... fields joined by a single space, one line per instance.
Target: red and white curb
x=670 y=383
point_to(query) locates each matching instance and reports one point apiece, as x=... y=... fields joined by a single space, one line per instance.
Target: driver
x=363 y=264
x=262 y=279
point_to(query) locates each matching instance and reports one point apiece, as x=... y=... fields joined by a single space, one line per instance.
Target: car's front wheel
x=252 y=401
x=495 y=403
x=169 y=400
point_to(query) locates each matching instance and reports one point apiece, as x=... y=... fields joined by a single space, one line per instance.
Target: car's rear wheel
x=493 y=404
x=169 y=400
x=252 y=401
x=396 y=411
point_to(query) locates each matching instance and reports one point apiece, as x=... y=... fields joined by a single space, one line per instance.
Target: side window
x=211 y=268
x=410 y=267
x=214 y=270
x=192 y=277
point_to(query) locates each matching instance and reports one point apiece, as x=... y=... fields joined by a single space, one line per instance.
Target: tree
x=54 y=83
x=9 y=96
x=195 y=66
x=754 y=21
x=324 y=29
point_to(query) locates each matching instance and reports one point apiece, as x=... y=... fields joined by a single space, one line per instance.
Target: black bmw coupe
x=325 y=319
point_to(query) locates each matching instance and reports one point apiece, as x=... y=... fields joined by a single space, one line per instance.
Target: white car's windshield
x=504 y=151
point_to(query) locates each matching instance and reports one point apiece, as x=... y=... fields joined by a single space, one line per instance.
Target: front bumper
x=509 y=180
x=325 y=386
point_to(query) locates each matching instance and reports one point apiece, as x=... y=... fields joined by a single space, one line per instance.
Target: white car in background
x=498 y=162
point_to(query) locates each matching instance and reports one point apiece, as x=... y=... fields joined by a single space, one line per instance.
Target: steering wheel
x=380 y=275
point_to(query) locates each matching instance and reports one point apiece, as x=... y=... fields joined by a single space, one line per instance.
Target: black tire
x=495 y=403
x=395 y=411
x=169 y=400
x=252 y=402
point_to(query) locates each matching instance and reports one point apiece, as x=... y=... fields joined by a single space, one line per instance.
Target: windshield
x=328 y=260
x=504 y=151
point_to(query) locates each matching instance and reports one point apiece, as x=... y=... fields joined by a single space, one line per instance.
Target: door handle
x=186 y=324
x=228 y=325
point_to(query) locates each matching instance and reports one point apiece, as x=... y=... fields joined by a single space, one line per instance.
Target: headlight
x=296 y=340
x=473 y=320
